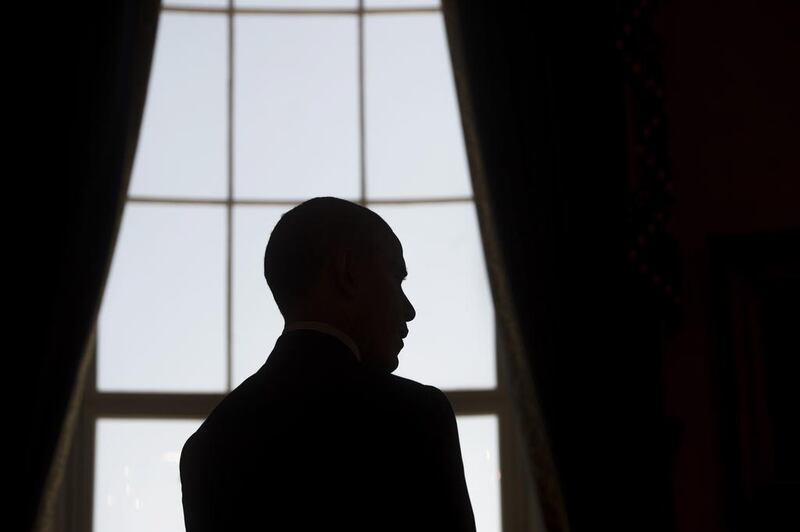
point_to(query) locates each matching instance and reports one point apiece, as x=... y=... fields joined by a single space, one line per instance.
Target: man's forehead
x=392 y=249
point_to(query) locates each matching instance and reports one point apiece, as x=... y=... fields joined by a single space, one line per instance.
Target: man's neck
x=326 y=328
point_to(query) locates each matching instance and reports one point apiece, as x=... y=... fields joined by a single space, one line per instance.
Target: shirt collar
x=325 y=328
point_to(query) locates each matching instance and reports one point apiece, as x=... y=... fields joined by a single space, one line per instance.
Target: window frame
x=75 y=508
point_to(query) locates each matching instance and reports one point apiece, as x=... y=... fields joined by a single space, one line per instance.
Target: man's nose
x=410 y=311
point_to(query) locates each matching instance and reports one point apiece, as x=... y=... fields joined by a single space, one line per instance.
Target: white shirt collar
x=327 y=329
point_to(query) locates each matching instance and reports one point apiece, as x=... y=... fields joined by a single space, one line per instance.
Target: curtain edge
x=55 y=475
x=540 y=464
x=147 y=17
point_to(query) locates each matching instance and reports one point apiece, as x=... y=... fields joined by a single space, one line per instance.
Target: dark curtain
x=756 y=288
x=543 y=100
x=87 y=72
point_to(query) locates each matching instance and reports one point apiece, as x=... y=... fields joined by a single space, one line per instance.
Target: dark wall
x=732 y=87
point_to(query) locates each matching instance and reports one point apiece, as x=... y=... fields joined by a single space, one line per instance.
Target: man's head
x=334 y=261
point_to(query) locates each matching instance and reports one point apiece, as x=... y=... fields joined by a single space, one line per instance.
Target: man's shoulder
x=233 y=409
x=414 y=395
x=424 y=392
x=389 y=394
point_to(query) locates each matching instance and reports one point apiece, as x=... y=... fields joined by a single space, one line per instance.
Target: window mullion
x=229 y=205
x=362 y=140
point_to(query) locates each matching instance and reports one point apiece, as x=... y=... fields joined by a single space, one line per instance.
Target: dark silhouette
x=323 y=436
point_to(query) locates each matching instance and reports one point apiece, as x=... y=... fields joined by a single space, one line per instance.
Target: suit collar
x=324 y=328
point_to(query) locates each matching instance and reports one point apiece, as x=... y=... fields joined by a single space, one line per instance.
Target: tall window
x=253 y=107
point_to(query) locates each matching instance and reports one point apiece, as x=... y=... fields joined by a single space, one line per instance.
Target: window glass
x=162 y=322
x=299 y=4
x=296 y=107
x=137 y=481
x=481 y=455
x=401 y=3
x=182 y=146
x=195 y=3
x=414 y=142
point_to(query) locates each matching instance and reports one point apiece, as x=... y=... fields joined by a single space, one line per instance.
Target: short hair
x=307 y=235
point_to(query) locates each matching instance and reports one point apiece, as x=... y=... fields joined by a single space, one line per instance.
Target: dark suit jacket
x=313 y=441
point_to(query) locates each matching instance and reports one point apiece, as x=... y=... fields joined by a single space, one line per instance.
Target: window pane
x=401 y=3
x=479 y=449
x=162 y=324
x=299 y=4
x=257 y=323
x=451 y=341
x=182 y=146
x=195 y=3
x=296 y=107
x=137 y=482
x=414 y=141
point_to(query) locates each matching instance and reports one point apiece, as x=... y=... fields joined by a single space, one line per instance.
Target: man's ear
x=344 y=267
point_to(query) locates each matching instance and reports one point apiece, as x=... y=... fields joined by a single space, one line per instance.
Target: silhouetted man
x=323 y=436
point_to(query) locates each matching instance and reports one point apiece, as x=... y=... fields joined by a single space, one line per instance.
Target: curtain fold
x=539 y=464
x=95 y=79
x=542 y=99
